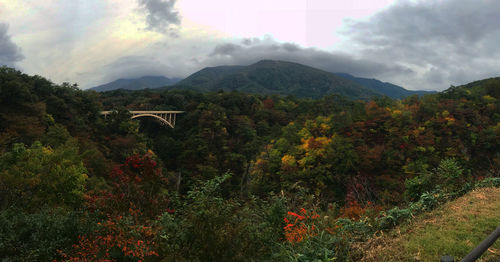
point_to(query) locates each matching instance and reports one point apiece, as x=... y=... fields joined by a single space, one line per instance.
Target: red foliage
x=113 y=240
x=268 y=103
x=354 y=210
x=302 y=227
x=136 y=184
x=137 y=193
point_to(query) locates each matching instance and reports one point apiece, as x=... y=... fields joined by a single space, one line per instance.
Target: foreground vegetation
x=242 y=177
x=454 y=229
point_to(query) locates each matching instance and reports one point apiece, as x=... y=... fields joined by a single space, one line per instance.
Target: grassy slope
x=454 y=229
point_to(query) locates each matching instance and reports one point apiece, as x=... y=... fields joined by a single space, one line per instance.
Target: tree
x=37 y=176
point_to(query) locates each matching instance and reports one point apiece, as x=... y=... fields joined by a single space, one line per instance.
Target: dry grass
x=452 y=229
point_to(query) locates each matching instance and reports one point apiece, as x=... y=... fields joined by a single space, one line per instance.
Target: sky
x=418 y=44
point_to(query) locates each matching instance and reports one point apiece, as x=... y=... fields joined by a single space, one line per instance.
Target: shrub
x=393 y=217
x=489 y=182
x=37 y=176
x=38 y=236
x=138 y=184
x=207 y=227
x=321 y=246
x=309 y=238
x=450 y=175
x=428 y=201
x=114 y=239
x=417 y=185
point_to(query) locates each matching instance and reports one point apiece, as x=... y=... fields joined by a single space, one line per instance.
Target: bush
x=489 y=182
x=393 y=217
x=416 y=186
x=450 y=175
x=37 y=176
x=308 y=238
x=114 y=239
x=323 y=246
x=38 y=236
x=207 y=227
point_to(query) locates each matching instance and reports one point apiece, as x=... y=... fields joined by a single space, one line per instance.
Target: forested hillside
x=275 y=77
x=242 y=177
x=137 y=83
x=388 y=89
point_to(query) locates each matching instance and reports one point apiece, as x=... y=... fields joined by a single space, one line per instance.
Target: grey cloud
x=134 y=66
x=235 y=54
x=290 y=47
x=426 y=45
x=444 y=42
x=226 y=49
x=161 y=16
x=250 y=41
x=10 y=53
x=176 y=64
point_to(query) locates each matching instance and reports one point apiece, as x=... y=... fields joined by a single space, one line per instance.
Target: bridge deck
x=165 y=117
x=146 y=112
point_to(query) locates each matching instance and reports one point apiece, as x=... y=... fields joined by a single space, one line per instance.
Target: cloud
x=10 y=53
x=134 y=66
x=161 y=16
x=443 y=42
x=427 y=45
x=226 y=49
x=175 y=63
x=250 y=51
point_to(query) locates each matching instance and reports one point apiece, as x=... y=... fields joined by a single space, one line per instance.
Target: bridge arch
x=165 y=117
x=162 y=120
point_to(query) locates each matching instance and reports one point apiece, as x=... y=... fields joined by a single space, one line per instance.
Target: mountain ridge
x=274 y=77
x=388 y=89
x=270 y=77
x=136 y=83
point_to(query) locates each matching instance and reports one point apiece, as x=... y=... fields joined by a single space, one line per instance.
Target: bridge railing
x=479 y=250
x=165 y=117
x=144 y=112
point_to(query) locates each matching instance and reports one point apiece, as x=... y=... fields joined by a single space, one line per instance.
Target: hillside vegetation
x=454 y=229
x=275 y=77
x=388 y=89
x=136 y=83
x=242 y=177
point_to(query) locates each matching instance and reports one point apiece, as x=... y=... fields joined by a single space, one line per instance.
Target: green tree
x=37 y=176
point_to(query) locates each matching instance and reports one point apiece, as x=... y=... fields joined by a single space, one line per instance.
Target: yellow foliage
x=47 y=150
x=488 y=98
x=315 y=143
x=288 y=162
x=396 y=113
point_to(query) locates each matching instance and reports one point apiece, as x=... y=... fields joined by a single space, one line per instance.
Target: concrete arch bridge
x=165 y=117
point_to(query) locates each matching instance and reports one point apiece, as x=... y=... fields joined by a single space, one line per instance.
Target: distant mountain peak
x=142 y=82
x=275 y=77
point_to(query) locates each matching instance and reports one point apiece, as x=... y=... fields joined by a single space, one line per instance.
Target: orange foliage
x=302 y=227
x=112 y=237
x=354 y=210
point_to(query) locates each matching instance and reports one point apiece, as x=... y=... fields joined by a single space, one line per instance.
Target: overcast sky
x=426 y=44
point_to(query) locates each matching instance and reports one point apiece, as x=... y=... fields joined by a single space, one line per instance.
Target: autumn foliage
x=300 y=226
x=114 y=240
x=137 y=184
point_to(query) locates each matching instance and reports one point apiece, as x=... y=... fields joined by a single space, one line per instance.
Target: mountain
x=388 y=89
x=137 y=83
x=275 y=77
